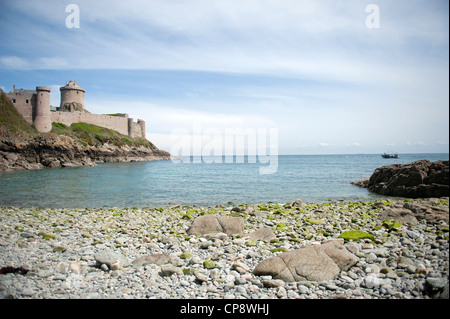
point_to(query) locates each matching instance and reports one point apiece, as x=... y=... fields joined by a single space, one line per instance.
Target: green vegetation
x=315 y=221
x=11 y=122
x=185 y=255
x=355 y=235
x=209 y=264
x=48 y=236
x=392 y=224
x=279 y=249
x=89 y=134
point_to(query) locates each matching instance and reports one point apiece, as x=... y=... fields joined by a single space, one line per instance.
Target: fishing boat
x=390 y=155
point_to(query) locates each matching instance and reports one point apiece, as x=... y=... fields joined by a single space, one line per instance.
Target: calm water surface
x=308 y=177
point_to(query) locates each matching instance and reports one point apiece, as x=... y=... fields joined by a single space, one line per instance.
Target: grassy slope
x=88 y=134
x=11 y=122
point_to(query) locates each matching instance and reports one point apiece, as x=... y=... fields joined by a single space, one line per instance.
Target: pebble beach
x=147 y=253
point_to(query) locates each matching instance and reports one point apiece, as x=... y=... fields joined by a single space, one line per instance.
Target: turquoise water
x=311 y=178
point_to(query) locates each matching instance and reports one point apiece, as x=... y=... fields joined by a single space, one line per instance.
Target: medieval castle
x=34 y=106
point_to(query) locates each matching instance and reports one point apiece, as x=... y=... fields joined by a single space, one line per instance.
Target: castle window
x=14 y=100
x=26 y=101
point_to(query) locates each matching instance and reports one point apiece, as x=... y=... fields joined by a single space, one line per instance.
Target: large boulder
x=316 y=263
x=412 y=213
x=417 y=179
x=209 y=224
x=265 y=234
x=157 y=259
x=400 y=214
x=111 y=259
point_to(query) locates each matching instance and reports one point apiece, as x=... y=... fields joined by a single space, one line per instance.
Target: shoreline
x=59 y=249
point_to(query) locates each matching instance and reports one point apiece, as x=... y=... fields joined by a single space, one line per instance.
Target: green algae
x=355 y=235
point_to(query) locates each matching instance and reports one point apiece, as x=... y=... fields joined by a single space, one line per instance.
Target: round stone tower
x=72 y=97
x=42 y=118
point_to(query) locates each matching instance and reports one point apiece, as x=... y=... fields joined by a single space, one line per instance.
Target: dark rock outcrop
x=63 y=151
x=414 y=180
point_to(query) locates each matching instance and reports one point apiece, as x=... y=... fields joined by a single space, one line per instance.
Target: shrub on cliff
x=89 y=134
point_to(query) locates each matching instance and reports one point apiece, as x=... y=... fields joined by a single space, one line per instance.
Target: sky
x=331 y=77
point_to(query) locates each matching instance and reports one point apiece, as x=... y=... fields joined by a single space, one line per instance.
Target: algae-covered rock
x=392 y=224
x=279 y=249
x=315 y=221
x=48 y=236
x=185 y=255
x=209 y=264
x=355 y=235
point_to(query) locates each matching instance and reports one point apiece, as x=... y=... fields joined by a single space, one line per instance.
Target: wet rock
x=316 y=263
x=417 y=179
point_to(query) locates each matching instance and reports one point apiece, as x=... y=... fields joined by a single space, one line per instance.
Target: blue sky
x=311 y=69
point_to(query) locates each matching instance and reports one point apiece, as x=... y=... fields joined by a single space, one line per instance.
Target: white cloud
x=324 y=75
x=416 y=143
x=13 y=62
x=317 y=40
x=164 y=119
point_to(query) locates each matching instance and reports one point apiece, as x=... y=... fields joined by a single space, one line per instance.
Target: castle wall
x=119 y=124
x=136 y=129
x=34 y=107
x=23 y=101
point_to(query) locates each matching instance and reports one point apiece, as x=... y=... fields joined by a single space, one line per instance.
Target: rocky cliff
x=418 y=179
x=22 y=147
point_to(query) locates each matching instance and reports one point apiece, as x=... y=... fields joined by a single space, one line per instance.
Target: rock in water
x=417 y=179
x=208 y=224
x=317 y=263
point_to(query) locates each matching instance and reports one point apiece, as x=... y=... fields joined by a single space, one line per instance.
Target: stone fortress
x=34 y=106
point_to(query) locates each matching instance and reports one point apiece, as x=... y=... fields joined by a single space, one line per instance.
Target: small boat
x=390 y=155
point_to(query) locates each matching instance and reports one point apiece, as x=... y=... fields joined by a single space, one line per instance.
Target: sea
x=198 y=181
